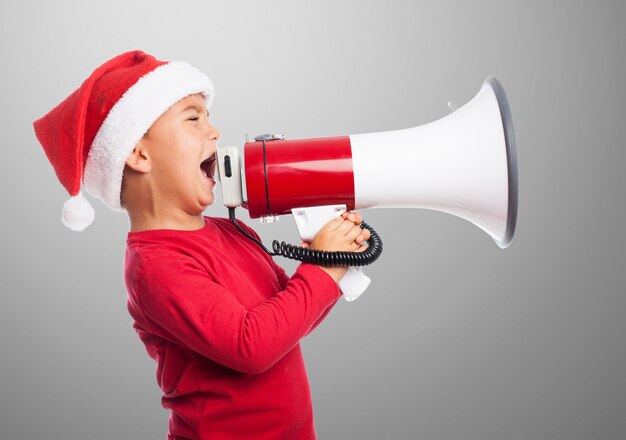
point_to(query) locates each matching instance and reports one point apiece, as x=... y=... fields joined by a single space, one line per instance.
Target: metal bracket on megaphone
x=309 y=220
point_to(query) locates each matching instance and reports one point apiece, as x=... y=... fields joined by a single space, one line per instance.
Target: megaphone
x=464 y=164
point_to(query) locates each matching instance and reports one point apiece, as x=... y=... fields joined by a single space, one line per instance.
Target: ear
x=138 y=160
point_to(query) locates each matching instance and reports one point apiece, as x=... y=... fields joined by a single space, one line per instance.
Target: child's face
x=177 y=145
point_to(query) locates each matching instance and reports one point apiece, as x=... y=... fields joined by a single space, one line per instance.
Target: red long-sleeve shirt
x=224 y=322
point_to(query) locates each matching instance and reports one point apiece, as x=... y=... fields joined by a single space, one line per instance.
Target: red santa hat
x=89 y=135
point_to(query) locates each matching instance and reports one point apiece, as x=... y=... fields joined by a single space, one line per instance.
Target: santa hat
x=89 y=135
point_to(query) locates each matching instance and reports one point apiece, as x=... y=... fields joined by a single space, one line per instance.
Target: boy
x=221 y=319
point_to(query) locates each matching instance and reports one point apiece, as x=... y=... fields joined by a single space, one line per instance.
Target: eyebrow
x=194 y=107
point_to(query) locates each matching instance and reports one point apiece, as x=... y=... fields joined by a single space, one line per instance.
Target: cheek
x=176 y=159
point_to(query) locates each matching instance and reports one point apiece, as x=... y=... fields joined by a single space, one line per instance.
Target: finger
x=363 y=236
x=353 y=233
x=342 y=227
x=354 y=217
x=305 y=245
x=333 y=224
x=358 y=247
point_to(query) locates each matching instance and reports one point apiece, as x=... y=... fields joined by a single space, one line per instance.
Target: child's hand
x=340 y=234
x=355 y=217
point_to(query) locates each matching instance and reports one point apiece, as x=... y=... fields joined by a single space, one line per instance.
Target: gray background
x=455 y=338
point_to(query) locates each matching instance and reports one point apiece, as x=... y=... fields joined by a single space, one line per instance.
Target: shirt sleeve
x=181 y=303
x=283 y=278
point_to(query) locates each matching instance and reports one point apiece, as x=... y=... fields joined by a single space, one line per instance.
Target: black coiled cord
x=321 y=258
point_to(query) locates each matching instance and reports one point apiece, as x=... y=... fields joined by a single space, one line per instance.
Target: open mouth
x=208 y=167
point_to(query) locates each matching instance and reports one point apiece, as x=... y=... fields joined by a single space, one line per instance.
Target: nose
x=213 y=133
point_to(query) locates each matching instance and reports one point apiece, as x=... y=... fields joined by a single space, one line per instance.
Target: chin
x=206 y=203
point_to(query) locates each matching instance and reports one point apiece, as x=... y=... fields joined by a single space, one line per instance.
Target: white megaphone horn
x=464 y=164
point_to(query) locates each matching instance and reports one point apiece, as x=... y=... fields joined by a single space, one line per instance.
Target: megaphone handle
x=354 y=283
x=309 y=221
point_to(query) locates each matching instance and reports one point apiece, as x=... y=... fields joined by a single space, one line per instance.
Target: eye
x=193 y=118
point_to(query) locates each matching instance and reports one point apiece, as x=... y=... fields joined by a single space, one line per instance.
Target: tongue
x=206 y=168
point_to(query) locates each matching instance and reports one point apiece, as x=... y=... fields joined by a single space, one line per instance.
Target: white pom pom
x=77 y=213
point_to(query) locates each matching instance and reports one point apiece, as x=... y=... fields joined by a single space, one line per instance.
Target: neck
x=147 y=211
x=148 y=208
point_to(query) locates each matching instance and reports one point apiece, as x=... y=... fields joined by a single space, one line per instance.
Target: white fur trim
x=130 y=118
x=77 y=213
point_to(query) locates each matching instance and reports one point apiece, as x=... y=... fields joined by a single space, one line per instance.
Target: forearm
x=336 y=273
